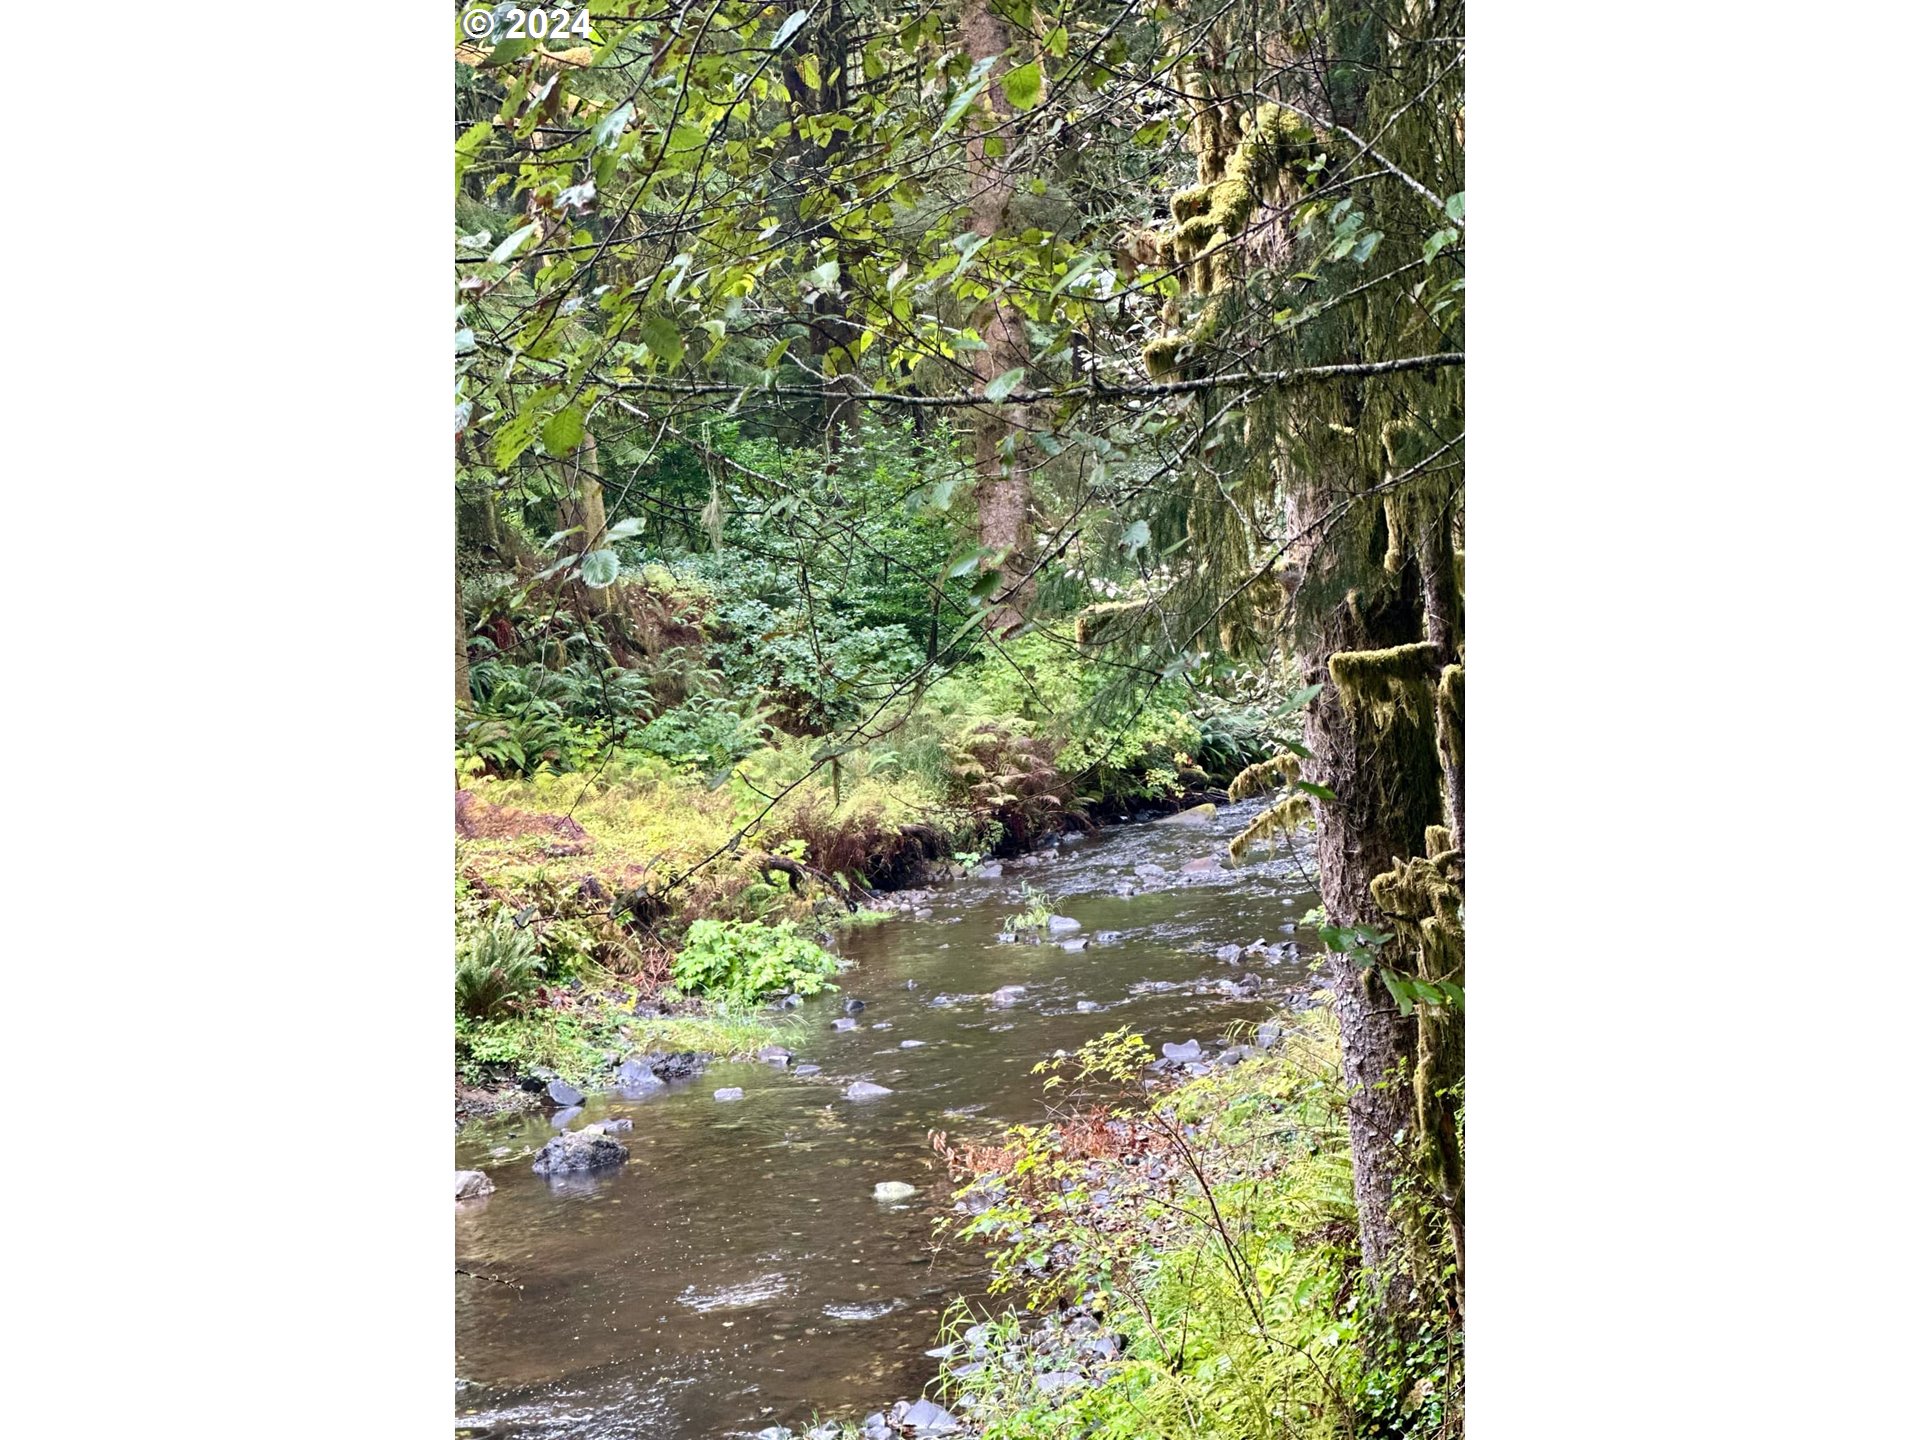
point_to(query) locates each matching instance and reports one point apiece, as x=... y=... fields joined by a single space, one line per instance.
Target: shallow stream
x=738 y=1272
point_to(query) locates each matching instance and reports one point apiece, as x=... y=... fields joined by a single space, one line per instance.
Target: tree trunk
x=1385 y=796
x=1002 y=457
x=583 y=510
x=830 y=334
x=462 y=690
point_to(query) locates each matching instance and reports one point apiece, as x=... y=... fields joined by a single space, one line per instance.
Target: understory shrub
x=495 y=967
x=739 y=962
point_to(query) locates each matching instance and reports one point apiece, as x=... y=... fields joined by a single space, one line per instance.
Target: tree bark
x=583 y=510
x=1003 y=487
x=1380 y=811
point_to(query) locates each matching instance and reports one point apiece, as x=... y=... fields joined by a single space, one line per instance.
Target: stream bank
x=743 y=1268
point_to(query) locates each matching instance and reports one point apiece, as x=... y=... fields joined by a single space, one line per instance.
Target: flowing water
x=738 y=1271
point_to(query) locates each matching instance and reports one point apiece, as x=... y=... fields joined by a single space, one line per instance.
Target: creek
x=739 y=1272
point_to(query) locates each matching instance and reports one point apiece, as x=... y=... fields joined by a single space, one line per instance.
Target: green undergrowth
x=1202 y=1241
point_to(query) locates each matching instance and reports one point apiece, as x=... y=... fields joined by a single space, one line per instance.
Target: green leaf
x=787 y=31
x=1438 y=241
x=1364 y=247
x=1022 y=84
x=563 y=431
x=1002 y=386
x=627 y=529
x=1457 y=208
x=611 y=126
x=1137 y=536
x=1319 y=792
x=663 y=339
x=513 y=244
x=1057 y=41
x=600 y=569
x=963 y=100
x=462 y=341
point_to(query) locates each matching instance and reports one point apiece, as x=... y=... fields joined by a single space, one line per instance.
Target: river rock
x=1086 y=1006
x=791 y=1002
x=1229 y=953
x=563 y=1094
x=1185 y=1053
x=680 y=1065
x=1198 y=815
x=620 y=1125
x=471 y=1184
x=911 y=1044
x=923 y=1417
x=1006 y=995
x=636 y=1074
x=846 y=1024
x=578 y=1151
x=806 y=1070
x=1106 y=937
x=730 y=1092
x=853 y=1007
x=990 y=871
x=1062 y=924
x=1075 y=945
x=893 y=1190
x=1054 y=1381
x=563 y=1118
x=1149 y=871
x=1205 y=865
x=865 y=1090
x=776 y=1055
x=1268 y=1035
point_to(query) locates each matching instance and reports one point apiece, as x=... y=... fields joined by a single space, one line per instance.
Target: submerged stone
x=893 y=1190
x=730 y=1092
x=865 y=1090
x=471 y=1184
x=845 y=1024
x=562 y=1093
x=563 y=1118
x=1062 y=924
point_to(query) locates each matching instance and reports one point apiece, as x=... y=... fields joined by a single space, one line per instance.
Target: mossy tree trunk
x=1002 y=453
x=583 y=511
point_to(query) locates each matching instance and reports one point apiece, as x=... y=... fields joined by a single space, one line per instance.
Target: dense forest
x=894 y=443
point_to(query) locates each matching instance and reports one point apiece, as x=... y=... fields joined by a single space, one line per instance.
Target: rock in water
x=853 y=1007
x=1148 y=870
x=806 y=1070
x=730 y=1092
x=1185 y=1053
x=616 y=1127
x=1205 y=865
x=1229 y=953
x=892 y=1190
x=1062 y=924
x=777 y=1055
x=911 y=1044
x=865 y=1090
x=577 y=1151
x=1086 y=1006
x=1267 y=1035
x=989 y=871
x=1198 y=815
x=1006 y=995
x=635 y=1073
x=1075 y=945
x=563 y=1118
x=471 y=1184
x=563 y=1094
x=846 y=1024
x=923 y=1417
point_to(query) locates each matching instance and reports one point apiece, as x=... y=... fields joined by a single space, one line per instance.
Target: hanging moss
x=1439 y=841
x=1282 y=769
x=1453 y=715
x=1103 y=623
x=1385 y=684
x=1278 y=818
x=1422 y=900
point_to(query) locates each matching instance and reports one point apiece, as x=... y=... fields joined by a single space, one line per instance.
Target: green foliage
x=740 y=962
x=495 y=968
x=1034 y=915
x=1231 y=1286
